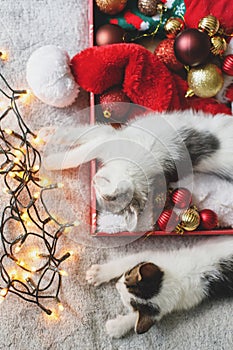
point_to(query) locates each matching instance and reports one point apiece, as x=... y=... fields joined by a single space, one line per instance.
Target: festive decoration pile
x=179 y=215
x=140 y=15
x=30 y=262
x=197 y=50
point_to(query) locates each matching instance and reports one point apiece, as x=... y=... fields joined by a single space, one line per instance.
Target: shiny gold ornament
x=190 y=219
x=111 y=7
x=219 y=45
x=173 y=26
x=148 y=7
x=179 y=229
x=209 y=24
x=204 y=81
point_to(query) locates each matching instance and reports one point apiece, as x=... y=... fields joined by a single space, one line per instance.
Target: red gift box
x=93 y=209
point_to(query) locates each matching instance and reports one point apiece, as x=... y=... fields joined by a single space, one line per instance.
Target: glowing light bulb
x=44 y=182
x=25 y=216
x=36 y=168
x=36 y=195
x=76 y=223
x=11 y=174
x=20 y=263
x=13 y=274
x=60 y=185
x=3 y=105
x=26 y=97
x=34 y=254
x=25 y=275
x=4 y=55
x=8 y=131
x=18 y=248
x=60 y=307
x=16 y=160
x=54 y=315
x=37 y=140
x=18 y=153
x=3 y=292
x=63 y=273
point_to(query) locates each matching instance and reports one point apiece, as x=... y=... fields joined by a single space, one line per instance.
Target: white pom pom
x=50 y=78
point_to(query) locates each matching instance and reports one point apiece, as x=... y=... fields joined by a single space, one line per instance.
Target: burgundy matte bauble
x=192 y=47
x=209 y=219
x=181 y=197
x=109 y=34
x=115 y=104
x=165 y=52
x=168 y=220
x=227 y=66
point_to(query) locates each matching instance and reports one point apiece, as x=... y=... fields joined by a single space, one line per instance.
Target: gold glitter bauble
x=190 y=219
x=111 y=7
x=209 y=24
x=205 y=81
x=148 y=7
x=219 y=45
x=173 y=26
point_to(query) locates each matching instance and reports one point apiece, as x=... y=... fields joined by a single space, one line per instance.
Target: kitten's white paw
x=97 y=275
x=115 y=328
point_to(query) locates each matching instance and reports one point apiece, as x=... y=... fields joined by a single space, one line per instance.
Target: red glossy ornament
x=227 y=66
x=165 y=52
x=192 y=47
x=109 y=34
x=168 y=220
x=209 y=219
x=115 y=104
x=181 y=197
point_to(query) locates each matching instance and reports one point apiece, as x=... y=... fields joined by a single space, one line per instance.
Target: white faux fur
x=183 y=286
x=50 y=78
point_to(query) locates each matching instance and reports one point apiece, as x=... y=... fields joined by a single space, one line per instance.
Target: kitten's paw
x=97 y=275
x=115 y=328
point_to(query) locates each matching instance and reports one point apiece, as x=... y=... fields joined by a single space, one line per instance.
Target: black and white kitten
x=153 y=284
x=149 y=148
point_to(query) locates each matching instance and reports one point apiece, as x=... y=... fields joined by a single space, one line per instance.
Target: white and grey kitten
x=147 y=152
x=153 y=284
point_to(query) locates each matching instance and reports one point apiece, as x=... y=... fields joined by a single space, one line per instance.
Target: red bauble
x=192 y=47
x=227 y=66
x=165 y=52
x=109 y=34
x=115 y=104
x=209 y=219
x=168 y=220
x=181 y=197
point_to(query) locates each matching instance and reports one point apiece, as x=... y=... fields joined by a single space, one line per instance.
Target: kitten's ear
x=131 y=219
x=150 y=271
x=144 y=322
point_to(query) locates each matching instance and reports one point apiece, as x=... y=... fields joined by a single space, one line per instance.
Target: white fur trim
x=49 y=76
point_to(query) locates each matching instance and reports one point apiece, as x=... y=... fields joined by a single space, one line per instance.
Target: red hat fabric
x=144 y=78
x=139 y=72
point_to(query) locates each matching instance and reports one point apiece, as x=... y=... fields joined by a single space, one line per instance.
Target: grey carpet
x=25 y=26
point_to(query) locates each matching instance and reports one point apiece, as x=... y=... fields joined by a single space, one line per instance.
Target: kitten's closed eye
x=110 y=198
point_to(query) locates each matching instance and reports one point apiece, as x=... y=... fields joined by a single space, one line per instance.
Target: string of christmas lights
x=29 y=233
